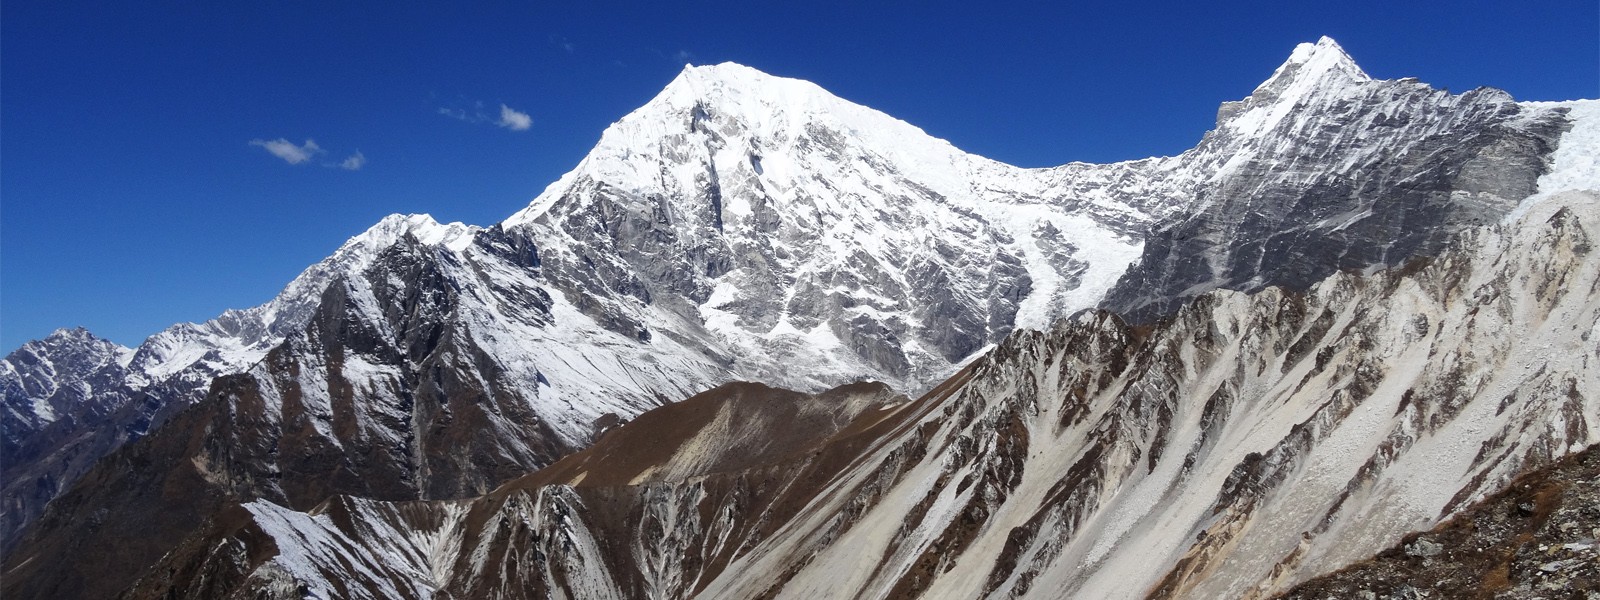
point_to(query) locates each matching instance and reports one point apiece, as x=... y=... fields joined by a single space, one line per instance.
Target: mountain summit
x=1311 y=67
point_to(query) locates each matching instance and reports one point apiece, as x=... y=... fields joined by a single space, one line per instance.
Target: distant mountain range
x=1356 y=307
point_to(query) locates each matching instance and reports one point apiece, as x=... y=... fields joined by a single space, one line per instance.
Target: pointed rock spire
x=1311 y=69
x=1311 y=66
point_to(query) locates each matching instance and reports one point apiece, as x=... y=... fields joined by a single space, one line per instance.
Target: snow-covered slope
x=1248 y=444
x=783 y=227
x=1575 y=165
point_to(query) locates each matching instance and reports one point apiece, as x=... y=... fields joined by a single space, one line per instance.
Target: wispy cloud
x=288 y=151
x=514 y=119
x=354 y=162
x=562 y=43
x=308 y=152
x=478 y=112
x=682 y=56
x=455 y=113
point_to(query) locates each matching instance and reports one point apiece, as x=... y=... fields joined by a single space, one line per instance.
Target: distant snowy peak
x=1315 y=70
x=1311 y=66
x=424 y=228
x=54 y=392
x=239 y=337
x=78 y=342
x=46 y=376
x=756 y=115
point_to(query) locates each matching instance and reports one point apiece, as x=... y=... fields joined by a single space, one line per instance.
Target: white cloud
x=513 y=119
x=354 y=162
x=289 y=152
x=682 y=56
x=476 y=112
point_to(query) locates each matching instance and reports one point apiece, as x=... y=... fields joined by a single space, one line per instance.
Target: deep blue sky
x=131 y=196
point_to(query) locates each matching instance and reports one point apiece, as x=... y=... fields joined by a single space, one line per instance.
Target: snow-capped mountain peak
x=1311 y=66
x=769 y=104
x=50 y=375
x=1322 y=69
x=421 y=226
x=781 y=219
x=747 y=116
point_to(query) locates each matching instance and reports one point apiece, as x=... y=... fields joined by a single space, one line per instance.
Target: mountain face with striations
x=1242 y=447
x=741 y=226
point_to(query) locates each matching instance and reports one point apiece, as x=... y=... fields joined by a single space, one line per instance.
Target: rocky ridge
x=1323 y=168
x=71 y=399
x=1248 y=444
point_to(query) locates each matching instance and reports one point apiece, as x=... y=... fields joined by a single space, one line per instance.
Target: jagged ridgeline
x=371 y=431
x=1243 y=446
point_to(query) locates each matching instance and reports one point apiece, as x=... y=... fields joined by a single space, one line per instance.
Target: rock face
x=427 y=374
x=71 y=399
x=1236 y=450
x=55 y=395
x=741 y=226
x=1323 y=168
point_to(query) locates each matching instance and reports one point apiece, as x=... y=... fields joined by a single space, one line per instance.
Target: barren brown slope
x=664 y=504
x=734 y=427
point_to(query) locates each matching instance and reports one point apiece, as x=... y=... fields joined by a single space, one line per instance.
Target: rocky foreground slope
x=1246 y=445
x=1534 y=539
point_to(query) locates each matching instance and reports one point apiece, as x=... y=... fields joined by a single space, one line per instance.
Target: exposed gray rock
x=1423 y=548
x=101 y=397
x=1323 y=169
